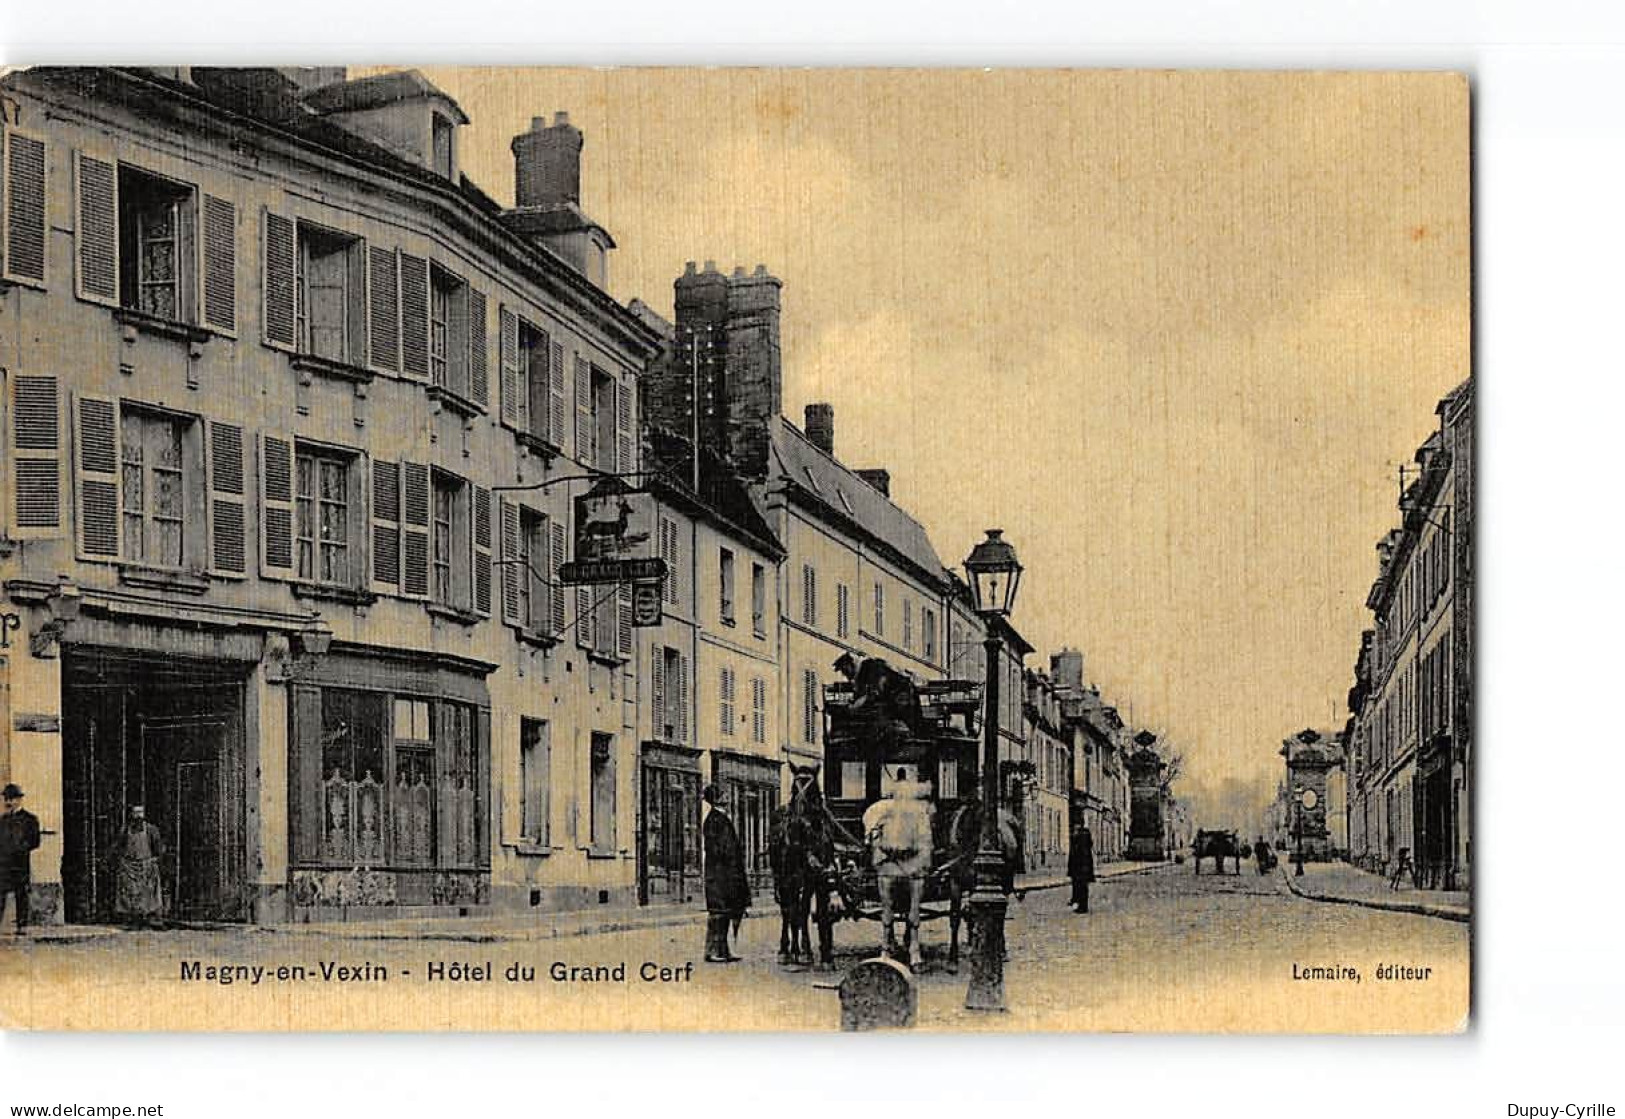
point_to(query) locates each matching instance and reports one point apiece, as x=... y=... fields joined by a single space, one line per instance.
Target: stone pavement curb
x=1421 y=909
x=571 y=924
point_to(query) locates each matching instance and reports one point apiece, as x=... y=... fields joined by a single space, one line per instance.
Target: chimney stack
x=1066 y=667
x=878 y=478
x=820 y=427
x=547 y=163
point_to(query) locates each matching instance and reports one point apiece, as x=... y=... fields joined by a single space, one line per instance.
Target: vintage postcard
x=630 y=549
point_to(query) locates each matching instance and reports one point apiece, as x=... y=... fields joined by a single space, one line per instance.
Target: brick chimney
x=876 y=477
x=547 y=162
x=728 y=334
x=755 y=375
x=820 y=427
x=547 y=197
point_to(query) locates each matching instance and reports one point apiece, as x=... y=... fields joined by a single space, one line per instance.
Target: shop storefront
x=750 y=793
x=669 y=825
x=389 y=784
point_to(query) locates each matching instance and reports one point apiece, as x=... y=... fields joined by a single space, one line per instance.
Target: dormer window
x=442 y=146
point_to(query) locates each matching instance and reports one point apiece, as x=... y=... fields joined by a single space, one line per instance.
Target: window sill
x=528 y=847
x=331 y=367
x=595 y=853
x=163 y=579
x=537 y=445
x=162 y=328
x=608 y=660
x=535 y=637
x=759 y=634
x=453 y=614
x=729 y=622
x=350 y=596
x=453 y=401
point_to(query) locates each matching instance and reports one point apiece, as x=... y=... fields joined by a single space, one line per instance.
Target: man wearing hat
x=727 y=892
x=19 y=836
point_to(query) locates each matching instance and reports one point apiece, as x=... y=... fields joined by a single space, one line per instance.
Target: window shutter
x=96 y=229
x=414 y=530
x=228 y=540
x=725 y=704
x=280 y=280
x=586 y=629
x=276 y=507
x=414 y=315
x=25 y=208
x=657 y=693
x=511 y=574
x=758 y=709
x=586 y=453
x=513 y=400
x=623 y=428
x=482 y=551
x=555 y=590
x=479 y=350
x=219 y=264
x=386 y=527
x=383 y=309
x=555 y=394
x=97 y=455
x=679 y=687
x=623 y=621
x=36 y=452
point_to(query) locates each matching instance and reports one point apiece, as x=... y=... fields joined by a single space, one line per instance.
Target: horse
x=898 y=834
x=965 y=838
x=801 y=852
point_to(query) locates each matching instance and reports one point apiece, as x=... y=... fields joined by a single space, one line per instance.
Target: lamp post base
x=988 y=907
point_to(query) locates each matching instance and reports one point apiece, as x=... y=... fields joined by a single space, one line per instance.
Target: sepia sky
x=1173 y=331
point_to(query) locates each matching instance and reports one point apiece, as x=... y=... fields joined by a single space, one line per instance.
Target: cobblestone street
x=1161 y=950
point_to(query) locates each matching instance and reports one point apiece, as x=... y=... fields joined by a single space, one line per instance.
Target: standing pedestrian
x=19 y=836
x=138 y=894
x=1080 y=867
x=727 y=893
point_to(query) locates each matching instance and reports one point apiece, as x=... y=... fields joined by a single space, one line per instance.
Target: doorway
x=166 y=734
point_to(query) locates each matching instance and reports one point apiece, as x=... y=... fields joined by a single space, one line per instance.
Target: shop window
x=157 y=245
x=412 y=801
x=330 y=310
x=534 y=763
x=352 y=775
x=602 y=803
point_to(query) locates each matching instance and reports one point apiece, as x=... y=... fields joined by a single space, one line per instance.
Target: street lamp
x=994 y=576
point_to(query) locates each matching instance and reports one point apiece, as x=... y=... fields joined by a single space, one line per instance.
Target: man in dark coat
x=1080 y=867
x=19 y=836
x=727 y=893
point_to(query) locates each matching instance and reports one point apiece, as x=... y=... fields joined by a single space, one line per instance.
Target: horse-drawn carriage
x=1218 y=846
x=852 y=843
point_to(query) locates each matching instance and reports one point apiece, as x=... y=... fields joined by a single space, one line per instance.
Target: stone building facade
x=285 y=399
x=1409 y=734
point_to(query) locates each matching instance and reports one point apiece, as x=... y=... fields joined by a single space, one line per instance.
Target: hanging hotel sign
x=614 y=530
